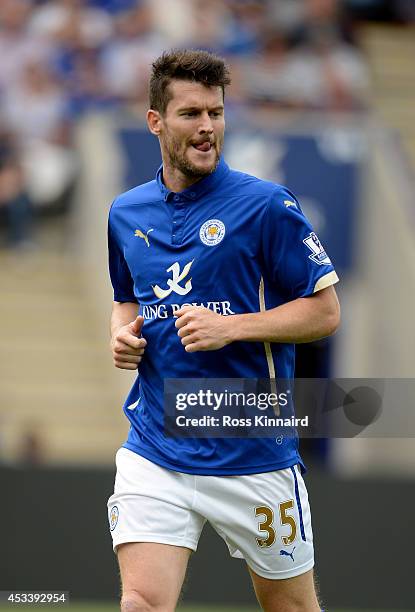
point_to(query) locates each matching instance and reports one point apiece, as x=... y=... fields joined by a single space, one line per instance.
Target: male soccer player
x=216 y=274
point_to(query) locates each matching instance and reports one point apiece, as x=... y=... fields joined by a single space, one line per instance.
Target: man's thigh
x=291 y=595
x=264 y=519
x=154 y=529
x=151 y=575
x=152 y=504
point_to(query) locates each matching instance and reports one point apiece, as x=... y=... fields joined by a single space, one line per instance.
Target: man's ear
x=154 y=122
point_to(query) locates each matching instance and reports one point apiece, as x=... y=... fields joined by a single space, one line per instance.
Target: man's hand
x=201 y=329
x=127 y=346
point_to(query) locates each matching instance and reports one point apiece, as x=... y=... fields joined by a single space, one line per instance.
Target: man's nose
x=205 y=126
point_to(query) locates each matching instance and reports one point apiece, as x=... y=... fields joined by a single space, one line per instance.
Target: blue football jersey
x=235 y=244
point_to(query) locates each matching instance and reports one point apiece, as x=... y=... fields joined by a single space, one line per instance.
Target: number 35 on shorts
x=267 y=527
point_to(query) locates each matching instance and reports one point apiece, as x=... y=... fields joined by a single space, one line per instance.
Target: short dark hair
x=187 y=65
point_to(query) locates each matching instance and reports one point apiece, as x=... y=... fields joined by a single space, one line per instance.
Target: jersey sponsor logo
x=114 y=514
x=289 y=203
x=285 y=553
x=173 y=283
x=164 y=311
x=212 y=232
x=140 y=234
x=318 y=254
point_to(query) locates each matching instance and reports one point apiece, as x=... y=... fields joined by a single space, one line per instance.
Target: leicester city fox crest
x=113 y=517
x=212 y=232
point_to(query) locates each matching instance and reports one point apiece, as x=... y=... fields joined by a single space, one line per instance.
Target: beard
x=177 y=159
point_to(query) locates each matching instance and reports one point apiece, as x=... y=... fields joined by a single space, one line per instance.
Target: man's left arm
x=302 y=320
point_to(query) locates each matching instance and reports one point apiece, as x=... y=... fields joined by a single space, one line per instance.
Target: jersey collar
x=197 y=190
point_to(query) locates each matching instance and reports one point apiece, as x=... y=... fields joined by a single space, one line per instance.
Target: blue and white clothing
x=235 y=244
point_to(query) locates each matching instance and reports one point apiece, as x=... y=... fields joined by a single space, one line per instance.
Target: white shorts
x=263 y=518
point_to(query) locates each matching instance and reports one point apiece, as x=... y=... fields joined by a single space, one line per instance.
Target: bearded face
x=192 y=129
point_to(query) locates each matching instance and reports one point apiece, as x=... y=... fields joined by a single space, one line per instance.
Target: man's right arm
x=127 y=345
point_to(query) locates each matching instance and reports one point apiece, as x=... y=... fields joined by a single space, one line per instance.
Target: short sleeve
x=293 y=255
x=120 y=275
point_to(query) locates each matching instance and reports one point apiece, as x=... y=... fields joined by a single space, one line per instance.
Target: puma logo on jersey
x=140 y=234
x=173 y=283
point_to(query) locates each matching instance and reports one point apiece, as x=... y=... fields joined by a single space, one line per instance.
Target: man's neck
x=175 y=180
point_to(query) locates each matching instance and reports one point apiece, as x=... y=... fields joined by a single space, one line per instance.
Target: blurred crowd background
x=62 y=59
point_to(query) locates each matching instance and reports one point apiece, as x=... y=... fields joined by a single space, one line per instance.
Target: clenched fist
x=201 y=329
x=127 y=346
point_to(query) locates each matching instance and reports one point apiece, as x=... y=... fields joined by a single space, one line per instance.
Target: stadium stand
x=390 y=50
x=68 y=54
x=54 y=379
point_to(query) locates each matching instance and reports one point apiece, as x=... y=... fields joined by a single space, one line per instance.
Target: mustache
x=211 y=141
